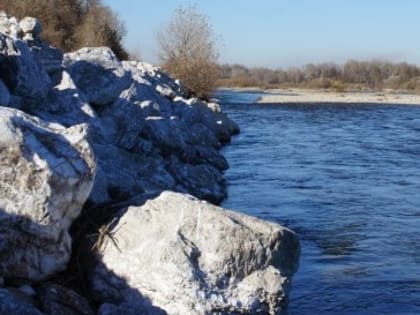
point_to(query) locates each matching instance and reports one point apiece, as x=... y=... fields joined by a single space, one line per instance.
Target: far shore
x=281 y=96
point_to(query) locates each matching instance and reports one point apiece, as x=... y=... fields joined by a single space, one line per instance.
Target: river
x=346 y=178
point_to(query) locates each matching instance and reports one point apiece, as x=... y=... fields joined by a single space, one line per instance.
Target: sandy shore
x=314 y=96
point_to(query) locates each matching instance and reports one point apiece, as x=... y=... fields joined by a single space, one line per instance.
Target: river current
x=346 y=178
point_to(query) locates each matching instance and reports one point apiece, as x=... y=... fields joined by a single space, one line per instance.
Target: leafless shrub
x=354 y=75
x=188 y=50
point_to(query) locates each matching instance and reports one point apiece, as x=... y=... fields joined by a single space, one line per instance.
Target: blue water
x=346 y=178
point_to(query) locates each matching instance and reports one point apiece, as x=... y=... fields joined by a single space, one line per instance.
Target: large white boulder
x=46 y=174
x=186 y=256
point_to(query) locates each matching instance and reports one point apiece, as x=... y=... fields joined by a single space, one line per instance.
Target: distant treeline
x=72 y=24
x=353 y=75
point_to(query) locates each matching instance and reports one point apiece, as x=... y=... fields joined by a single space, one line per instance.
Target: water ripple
x=346 y=178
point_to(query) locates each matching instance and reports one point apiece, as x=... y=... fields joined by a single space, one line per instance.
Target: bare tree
x=188 y=50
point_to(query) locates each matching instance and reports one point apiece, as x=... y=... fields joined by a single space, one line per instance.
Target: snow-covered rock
x=189 y=257
x=46 y=174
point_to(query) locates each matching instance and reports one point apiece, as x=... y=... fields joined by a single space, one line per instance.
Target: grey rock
x=201 y=180
x=10 y=26
x=98 y=73
x=27 y=289
x=165 y=134
x=30 y=25
x=11 y=305
x=165 y=91
x=150 y=108
x=49 y=57
x=160 y=80
x=4 y=95
x=58 y=300
x=189 y=257
x=21 y=73
x=210 y=156
x=65 y=106
x=141 y=173
x=124 y=120
x=29 y=29
x=130 y=309
x=195 y=111
x=4 y=23
x=199 y=134
x=163 y=140
x=46 y=174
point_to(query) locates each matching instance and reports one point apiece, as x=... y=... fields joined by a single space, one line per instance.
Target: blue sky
x=283 y=33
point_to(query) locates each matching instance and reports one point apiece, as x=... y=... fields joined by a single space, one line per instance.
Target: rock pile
x=85 y=128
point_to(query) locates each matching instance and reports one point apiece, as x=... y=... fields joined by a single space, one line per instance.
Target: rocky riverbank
x=103 y=164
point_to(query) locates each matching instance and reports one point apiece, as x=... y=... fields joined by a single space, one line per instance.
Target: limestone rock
x=201 y=180
x=32 y=26
x=189 y=257
x=196 y=111
x=165 y=135
x=98 y=73
x=46 y=174
x=64 y=105
x=124 y=120
x=9 y=25
x=58 y=300
x=49 y=57
x=4 y=95
x=159 y=79
x=129 y=309
x=140 y=174
x=11 y=305
x=164 y=140
x=21 y=73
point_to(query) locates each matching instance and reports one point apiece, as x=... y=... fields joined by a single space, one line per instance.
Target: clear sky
x=283 y=33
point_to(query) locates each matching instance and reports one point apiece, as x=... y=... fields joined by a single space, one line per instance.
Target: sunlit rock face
x=46 y=174
x=164 y=140
x=186 y=256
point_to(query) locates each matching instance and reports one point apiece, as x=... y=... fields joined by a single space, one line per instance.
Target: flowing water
x=346 y=178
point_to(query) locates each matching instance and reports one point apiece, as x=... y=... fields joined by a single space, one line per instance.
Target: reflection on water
x=346 y=178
